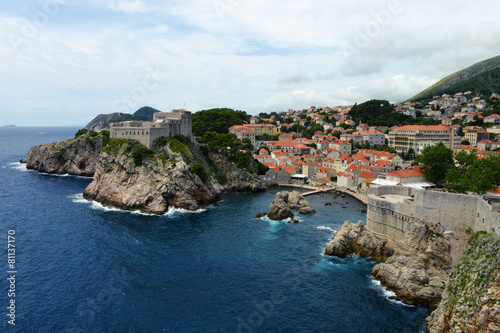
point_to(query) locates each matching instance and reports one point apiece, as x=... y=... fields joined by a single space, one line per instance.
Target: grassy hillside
x=482 y=77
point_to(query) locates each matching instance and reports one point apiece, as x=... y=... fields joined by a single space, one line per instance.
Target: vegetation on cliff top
x=178 y=144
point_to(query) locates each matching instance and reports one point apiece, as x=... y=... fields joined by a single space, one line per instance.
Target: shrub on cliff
x=80 y=132
x=140 y=154
x=199 y=170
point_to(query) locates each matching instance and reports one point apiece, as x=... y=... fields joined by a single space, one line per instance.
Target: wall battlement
x=163 y=124
x=392 y=209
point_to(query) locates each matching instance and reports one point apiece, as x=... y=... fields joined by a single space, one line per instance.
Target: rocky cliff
x=174 y=173
x=129 y=176
x=236 y=179
x=471 y=302
x=416 y=269
x=75 y=156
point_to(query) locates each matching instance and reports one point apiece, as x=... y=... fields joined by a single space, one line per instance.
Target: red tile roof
x=403 y=173
x=424 y=128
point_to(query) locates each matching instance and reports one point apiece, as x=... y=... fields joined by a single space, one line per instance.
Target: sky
x=62 y=62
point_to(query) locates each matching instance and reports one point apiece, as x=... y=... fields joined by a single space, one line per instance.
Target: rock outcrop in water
x=75 y=157
x=416 y=269
x=296 y=201
x=279 y=210
x=471 y=302
x=282 y=205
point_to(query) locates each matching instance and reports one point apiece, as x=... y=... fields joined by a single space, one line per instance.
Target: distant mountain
x=102 y=121
x=145 y=113
x=483 y=77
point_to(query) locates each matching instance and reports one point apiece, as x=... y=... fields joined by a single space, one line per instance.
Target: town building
x=475 y=135
x=405 y=137
x=375 y=138
x=411 y=177
x=344 y=147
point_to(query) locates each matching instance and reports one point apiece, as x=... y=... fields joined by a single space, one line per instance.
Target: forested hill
x=377 y=112
x=482 y=77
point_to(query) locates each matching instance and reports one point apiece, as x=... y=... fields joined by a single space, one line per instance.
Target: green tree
x=473 y=174
x=217 y=120
x=247 y=144
x=437 y=161
x=410 y=155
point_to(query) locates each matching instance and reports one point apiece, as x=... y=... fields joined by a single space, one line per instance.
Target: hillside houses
x=328 y=145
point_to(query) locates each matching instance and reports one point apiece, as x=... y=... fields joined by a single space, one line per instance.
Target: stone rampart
x=391 y=209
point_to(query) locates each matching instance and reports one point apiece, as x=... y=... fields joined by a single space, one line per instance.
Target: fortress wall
x=487 y=217
x=146 y=132
x=142 y=134
x=391 y=216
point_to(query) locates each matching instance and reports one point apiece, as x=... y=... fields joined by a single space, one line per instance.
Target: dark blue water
x=83 y=268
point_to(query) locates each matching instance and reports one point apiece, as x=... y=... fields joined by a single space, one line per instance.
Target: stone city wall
x=391 y=209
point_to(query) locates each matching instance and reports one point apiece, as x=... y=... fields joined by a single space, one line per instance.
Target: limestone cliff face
x=471 y=302
x=129 y=176
x=75 y=157
x=236 y=179
x=416 y=269
x=352 y=238
x=153 y=184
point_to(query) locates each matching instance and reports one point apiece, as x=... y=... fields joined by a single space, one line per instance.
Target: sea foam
x=18 y=166
x=388 y=294
x=172 y=211
x=321 y=227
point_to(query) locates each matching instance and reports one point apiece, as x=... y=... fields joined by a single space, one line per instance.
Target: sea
x=80 y=267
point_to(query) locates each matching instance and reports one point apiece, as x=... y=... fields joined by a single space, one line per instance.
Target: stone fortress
x=163 y=124
x=392 y=209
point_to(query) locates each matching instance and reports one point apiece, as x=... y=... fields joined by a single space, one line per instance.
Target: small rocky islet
x=284 y=204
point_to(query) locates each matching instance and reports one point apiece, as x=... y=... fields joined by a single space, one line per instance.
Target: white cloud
x=250 y=55
x=126 y=6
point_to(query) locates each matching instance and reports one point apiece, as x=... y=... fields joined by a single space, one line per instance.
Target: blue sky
x=63 y=62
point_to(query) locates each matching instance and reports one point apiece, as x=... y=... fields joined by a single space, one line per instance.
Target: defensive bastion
x=392 y=209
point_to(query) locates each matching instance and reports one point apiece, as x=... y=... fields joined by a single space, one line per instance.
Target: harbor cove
x=84 y=267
